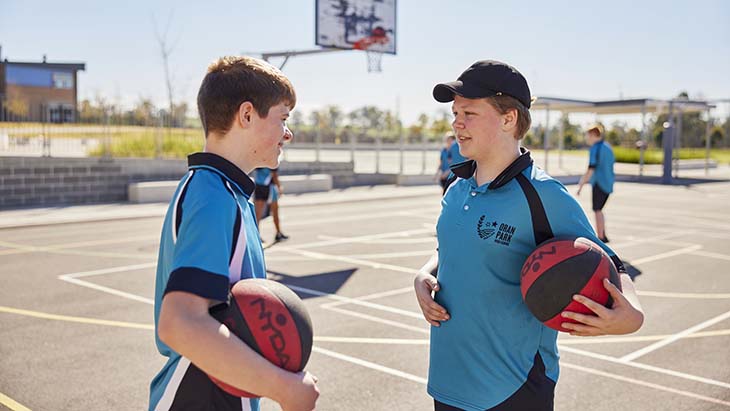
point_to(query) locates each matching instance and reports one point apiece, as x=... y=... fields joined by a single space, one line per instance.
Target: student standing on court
x=268 y=190
x=600 y=175
x=456 y=155
x=210 y=240
x=488 y=352
x=445 y=162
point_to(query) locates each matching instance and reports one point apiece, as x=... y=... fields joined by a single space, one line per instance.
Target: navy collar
x=228 y=169
x=467 y=168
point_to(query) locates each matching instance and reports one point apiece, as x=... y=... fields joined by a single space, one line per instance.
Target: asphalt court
x=76 y=314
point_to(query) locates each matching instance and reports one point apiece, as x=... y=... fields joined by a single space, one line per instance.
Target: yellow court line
x=12 y=404
x=84 y=320
x=569 y=341
x=16 y=248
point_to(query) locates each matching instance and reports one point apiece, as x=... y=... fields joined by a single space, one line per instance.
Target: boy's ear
x=245 y=114
x=509 y=119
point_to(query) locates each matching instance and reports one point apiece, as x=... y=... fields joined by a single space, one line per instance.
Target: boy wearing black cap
x=487 y=350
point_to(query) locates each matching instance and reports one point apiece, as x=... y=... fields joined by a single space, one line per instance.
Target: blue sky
x=586 y=50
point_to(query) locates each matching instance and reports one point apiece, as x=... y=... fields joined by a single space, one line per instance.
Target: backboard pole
x=293 y=53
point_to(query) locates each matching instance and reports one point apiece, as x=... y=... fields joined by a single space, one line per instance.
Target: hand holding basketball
x=621 y=318
x=425 y=284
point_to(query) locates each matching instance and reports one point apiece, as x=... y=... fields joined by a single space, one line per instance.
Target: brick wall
x=34 y=181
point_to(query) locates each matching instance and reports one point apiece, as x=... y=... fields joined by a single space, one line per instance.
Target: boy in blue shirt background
x=600 y=175
x=445 y=161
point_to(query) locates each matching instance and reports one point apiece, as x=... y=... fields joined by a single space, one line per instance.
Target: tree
x=166 y=50
x=441 y=125
x=17 y=105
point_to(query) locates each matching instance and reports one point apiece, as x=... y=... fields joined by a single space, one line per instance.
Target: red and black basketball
x=271 y=319
x=560 y=268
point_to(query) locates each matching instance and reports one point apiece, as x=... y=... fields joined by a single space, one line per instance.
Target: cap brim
x=444 y=92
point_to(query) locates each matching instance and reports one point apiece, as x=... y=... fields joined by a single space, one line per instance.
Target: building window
x=63 y=80
x=61 y=113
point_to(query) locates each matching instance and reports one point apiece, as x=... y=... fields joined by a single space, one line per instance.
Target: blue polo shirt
x=601 y=160
x=455 y=154
x=445 y=159
x=209 y=241
x=484 y=352
x=262 y=176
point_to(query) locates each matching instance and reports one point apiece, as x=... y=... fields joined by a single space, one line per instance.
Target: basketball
x=560 y=268
x=271 y=319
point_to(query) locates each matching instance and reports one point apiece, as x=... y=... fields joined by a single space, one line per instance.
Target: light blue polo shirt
x=209 y=241
x=444 y=159
x=601 y=160
x=484 y=352
x=455 y=154
x=262 y=176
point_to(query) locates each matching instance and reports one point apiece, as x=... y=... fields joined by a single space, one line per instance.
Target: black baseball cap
x=486 y=78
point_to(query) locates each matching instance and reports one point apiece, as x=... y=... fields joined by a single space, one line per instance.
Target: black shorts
x=197 y=392
x=536 y=394
x=261 y=193
x=599 y=198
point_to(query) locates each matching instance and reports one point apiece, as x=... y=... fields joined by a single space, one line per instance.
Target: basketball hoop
x=378 y=38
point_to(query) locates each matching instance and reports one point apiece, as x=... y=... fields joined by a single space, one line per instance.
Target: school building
x=39 y=91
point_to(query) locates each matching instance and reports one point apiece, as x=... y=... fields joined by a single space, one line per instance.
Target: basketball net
x=374 y=56
x=374 y=59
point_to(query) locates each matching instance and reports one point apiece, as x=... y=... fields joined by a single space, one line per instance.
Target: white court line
x=108 y=290
x=372 y=318
x=371 y=365
x=636 y=338
x=376 y=255
x=424 y=381
x=562 y=347
x=347 y=300
x=386 y=341
x=420 y=330
x=321 y=256
x=668 y=254
x=659 y=344
x=684 y=221
x=73 y=279
x=385 y=240
x=699 y=296
x=17 y=248
x=657 y=238
x=371 y=296
x=109 y=270
x=58 y=250
x=646 y=367
x=354 y=217
x=645 y=384
x=346 y=240
x=711 y=255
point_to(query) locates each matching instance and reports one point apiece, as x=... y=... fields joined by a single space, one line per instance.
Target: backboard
x=356 y=24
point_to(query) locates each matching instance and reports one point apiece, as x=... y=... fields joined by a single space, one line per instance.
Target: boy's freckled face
x=271 y=133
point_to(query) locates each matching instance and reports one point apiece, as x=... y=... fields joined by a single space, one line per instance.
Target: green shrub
x=173 y=146
x=656 y=156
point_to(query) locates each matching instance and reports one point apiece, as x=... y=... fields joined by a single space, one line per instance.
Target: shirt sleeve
x=593 y=156
x=567 y=218
x=203 y=248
